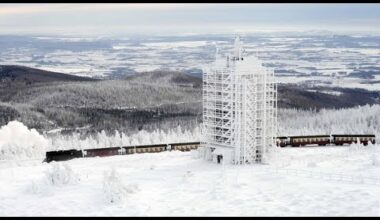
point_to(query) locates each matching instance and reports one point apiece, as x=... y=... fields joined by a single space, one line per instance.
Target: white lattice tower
x=239 y=108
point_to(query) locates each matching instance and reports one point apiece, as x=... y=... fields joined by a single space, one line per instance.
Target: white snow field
x=308 y=181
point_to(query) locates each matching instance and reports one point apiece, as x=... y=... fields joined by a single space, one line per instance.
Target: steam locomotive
x=323 y=140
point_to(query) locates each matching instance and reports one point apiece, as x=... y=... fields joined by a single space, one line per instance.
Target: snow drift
x=19 y=142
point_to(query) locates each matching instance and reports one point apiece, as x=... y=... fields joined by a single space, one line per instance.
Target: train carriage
x=185 y=146
x=339 y=139
x=320 y=140
x=146 y=148
x=102 y=152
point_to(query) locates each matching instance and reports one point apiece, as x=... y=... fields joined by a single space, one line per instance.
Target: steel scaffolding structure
x=239 y=109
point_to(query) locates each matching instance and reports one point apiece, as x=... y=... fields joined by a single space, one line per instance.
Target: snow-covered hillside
x=320 y=181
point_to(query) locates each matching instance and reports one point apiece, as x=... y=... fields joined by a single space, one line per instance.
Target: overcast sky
x=128 y=19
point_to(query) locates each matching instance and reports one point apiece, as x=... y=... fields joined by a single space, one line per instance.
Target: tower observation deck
x=239 y=109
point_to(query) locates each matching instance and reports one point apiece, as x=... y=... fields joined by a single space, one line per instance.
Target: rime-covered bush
x=114 y=189
x=60 y=174
x=57 y=174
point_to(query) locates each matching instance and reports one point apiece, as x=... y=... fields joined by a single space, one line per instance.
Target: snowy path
x=177 y=184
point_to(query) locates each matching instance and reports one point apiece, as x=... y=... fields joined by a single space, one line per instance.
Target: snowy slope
x=179 y=184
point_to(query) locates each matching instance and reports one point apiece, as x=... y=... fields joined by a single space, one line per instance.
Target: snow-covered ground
x=306 y=181
x=294 y=182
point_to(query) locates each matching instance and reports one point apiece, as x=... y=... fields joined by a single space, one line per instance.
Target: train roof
x=309 y=136
x=102 y=148
x=353 y=135
x=185 y=143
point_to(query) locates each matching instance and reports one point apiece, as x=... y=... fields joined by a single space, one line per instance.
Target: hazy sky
x=127 y=19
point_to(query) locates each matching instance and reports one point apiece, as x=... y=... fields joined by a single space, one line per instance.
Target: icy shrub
x=19 y=142
x=114 y=189
x=56 y=175
x=60 y=175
